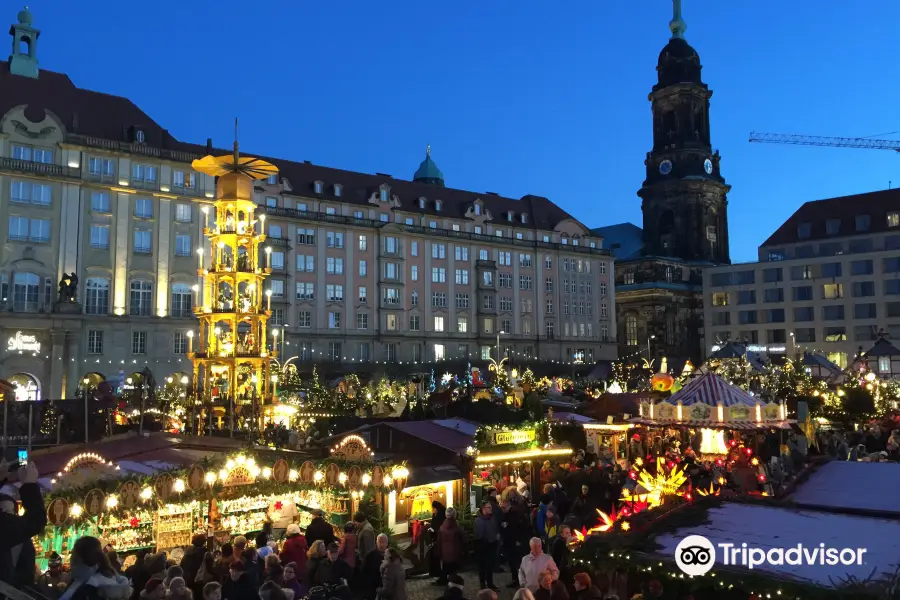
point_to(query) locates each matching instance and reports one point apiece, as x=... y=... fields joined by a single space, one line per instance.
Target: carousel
x=705 y=415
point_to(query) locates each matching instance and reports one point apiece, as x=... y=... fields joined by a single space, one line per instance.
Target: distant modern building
x=827 y=281
x=367 y=268
x=658 y=268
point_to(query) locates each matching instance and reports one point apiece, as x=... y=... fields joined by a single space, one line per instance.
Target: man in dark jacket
x=16 y=550
x=371 y=570
x=487 y=533
x=193 y=560
x=339 y=571
x=319 y=529
x=515 y=531
x=238 y=586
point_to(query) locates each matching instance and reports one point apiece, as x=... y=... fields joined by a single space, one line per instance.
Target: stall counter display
x=243 y=516
x=60 y=540
x=176 y=525
x=129 y=534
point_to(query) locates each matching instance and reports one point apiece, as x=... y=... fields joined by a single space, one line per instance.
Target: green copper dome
x=428 y=171
x=25 y=17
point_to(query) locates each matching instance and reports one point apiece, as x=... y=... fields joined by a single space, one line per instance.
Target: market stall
x=221 y=496
x=516 y=455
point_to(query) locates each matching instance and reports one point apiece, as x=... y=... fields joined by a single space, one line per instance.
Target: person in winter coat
x=193 y=560
x=549 y=588
x=178 y=590
x=450 y=547
x=584 y=588
x=294 y=550
x=138 y=573
x=559 y=550
x=157 y=567
x=371 y=568
x=393 y=577
x=365 y=535
x=534 y=563
x=347 y=547
x=289 y=579
x=338 y=570
x=584 y=509
x=273 y=571
x=212 y=591
x=515 y=530
x=16 y=550
x=171 y=573
x=487 y=532
x=238 y=586
x=154 y=590
x=253 y=567
x=223 y=563
x=92 y=576
x=438 y=516
x=317 y=565
x=205 y=574
x=319 y=529
x=54 y=577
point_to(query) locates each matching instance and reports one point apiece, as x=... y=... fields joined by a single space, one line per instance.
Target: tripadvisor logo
x=695 y=555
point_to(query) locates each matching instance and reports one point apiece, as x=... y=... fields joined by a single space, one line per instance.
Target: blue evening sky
x=548 y=98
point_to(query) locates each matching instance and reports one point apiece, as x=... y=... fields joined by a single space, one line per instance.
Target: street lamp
x=652 y=337
x=274 y=340
x=499 y=333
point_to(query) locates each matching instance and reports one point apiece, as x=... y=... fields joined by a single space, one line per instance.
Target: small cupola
x=23 y=60
x=428 y=171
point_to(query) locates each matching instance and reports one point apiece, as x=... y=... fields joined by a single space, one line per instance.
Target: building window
x=277 y=317
x=95 y=342
x=414 y=298
x=414 y=323
x=629 y=278
x=139 y=342
x=180 y=179
x=100 y=202
x=363 y=243
x=334 y=293
x=833 y=291
x=272 y=202
x=362 y=321
x=334 y=351
x=181 y=300
x=438 y=323
x=334 y=239
x=548 y=329
x=862 y=222
x=100 y=237
x=305 y=317
x=631 y=330
x=145 y=173
x=179 y=343
x=804 y=230
x=183 y=246
x=141 y=298
x=183 y=213
x=438 y=275
x=32 y=230
x=390 y=245
x=96 y=296
x=307 y=237
x=414 y=273
x=272 y=179
x=334 y=266
x=26 y=292
x=462 y=301
x=334 y=320
x=306 y=263
x=143 y=208
x=101 y=167
x=832 y=226
x=142 y=244
x=25 y=192
x=462 y=276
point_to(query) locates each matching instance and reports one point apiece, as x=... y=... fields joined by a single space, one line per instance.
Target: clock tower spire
x=684 y=194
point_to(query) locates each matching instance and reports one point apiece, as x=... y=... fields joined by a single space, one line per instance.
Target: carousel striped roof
x=735 y=425
x=710 y=389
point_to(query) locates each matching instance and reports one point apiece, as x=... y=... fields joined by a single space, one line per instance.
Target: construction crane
x=821 y=140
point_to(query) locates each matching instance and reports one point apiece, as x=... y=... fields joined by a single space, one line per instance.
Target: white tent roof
x=853 y=486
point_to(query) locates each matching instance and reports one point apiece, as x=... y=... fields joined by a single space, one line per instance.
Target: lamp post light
x=274 y=340
x=499 y=333
x=652 y=337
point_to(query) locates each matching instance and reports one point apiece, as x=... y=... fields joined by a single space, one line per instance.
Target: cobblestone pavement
x=420 y=588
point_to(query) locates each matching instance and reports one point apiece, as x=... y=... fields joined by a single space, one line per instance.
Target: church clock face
x=665 y=167
x=707 y=166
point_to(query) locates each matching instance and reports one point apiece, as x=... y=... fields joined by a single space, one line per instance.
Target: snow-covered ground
x=767 y=527
x=853 y=485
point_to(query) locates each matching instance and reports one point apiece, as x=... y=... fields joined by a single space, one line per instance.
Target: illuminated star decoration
x=606 y=522
x=446 y=378
x=809 y=430
x=710 y=492
x=657 y=487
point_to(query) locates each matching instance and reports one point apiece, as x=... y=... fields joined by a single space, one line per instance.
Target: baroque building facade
x=659 y=268
x=364 y=268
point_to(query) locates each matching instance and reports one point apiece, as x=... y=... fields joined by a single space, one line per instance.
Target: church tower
x=684 y=194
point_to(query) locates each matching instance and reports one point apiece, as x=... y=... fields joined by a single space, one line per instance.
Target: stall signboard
x=58 y=512
x=240 y=475
x=332 y=474
x=307 y=472
x=665 y=411
x=354 y=477
x=517 y=436
x=196 y=478
x=129 y=494
x=23 y=343
x=163 y=486
x=771 y=412
x=377 y=476
x=739 y=412
x=281 y=471
x=94 y=502
x=352 y=448
x=699 y=412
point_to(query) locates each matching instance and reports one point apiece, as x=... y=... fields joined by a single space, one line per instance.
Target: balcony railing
x=28 y=166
